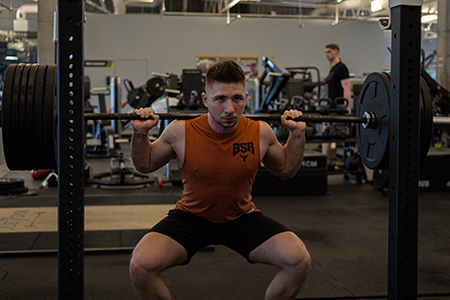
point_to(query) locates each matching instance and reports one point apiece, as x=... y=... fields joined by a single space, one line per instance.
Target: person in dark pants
x=218 y=155
x=338 y=83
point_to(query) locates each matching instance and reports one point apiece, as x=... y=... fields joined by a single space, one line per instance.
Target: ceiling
x=321 y=9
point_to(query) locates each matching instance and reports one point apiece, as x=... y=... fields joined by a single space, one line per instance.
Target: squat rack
x=403 y=166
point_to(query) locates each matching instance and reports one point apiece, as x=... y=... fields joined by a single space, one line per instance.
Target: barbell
x=30 y=129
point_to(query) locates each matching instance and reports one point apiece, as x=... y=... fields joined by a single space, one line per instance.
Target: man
x=338 y=82
x=218 y=155
x=252 y=70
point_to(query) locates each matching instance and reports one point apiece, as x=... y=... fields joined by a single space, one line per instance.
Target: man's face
x=226 y=103
x=331 y=54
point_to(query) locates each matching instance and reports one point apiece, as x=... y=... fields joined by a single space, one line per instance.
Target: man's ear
x=205 y=99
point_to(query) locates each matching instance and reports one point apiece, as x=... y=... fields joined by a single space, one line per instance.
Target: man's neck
x=334 y=62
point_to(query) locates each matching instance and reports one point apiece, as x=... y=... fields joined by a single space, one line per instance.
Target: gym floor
x=345 y=230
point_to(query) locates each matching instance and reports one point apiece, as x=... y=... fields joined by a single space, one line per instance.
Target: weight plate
x=11 y=183
x=155 y=87
x=373 y=143
x=49 y=118
x=18 y=162
x=426 y=119
x=22 y=121
x=14 y=191
x=38 y=117
x=140 y=99
x=7 y=134
x=131 y=97
x=30 y=117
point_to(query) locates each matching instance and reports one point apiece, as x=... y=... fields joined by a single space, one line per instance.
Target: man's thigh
x=281 y=250
x=249 y=231
x=156 y=251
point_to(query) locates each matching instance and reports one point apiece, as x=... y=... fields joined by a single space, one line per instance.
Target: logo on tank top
x=243 y=149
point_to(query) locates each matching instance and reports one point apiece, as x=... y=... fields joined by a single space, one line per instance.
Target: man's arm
x=346 y=85
x=284 y=161
x=148 y=157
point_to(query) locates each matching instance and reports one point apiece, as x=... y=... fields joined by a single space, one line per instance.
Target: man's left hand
x=292 y=124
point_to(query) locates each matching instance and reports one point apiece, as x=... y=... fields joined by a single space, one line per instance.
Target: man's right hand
x=149 y=119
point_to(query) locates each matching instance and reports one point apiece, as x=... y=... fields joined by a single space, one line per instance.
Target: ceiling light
x=375 y=5
x=429 y=18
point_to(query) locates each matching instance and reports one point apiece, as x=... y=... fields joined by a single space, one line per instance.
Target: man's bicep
x=273 y=157
x=346 y=83
x=162 y=152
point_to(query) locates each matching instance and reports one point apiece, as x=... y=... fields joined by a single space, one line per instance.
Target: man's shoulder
x=175 y=129
x=342 y=69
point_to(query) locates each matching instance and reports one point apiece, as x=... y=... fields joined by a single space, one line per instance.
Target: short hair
x=333 y=46
x=226 y=71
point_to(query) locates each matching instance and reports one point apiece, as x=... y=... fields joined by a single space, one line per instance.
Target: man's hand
x=292 y=124
x=149 y=121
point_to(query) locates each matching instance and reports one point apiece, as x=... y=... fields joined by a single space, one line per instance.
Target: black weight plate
x=373 y=143
x=426 y=120
x=7 y=134
x=11 y=183
x=18 y=161
x=14 y=191
x=38 y=113
x=131 y=95
x=22 y=124
x=155 y=87
x=30 y=117
x=49 y=117
x=140 y=99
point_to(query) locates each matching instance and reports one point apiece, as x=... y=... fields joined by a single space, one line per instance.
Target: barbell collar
x=370 y=117
x=308 y=118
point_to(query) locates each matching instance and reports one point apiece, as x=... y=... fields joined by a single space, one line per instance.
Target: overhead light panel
x=429 y=18
x=375 y=6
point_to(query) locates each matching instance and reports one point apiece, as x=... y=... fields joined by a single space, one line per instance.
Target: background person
x=338 y=84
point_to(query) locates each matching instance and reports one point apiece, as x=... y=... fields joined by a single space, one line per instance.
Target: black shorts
x=242 y=235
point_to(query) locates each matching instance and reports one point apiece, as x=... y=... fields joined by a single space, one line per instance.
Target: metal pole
x=70 y=150
x=404 y=150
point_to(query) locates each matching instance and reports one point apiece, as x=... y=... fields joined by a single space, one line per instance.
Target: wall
x=171 y=43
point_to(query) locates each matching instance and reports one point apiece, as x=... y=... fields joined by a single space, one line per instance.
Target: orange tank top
x=219 y=170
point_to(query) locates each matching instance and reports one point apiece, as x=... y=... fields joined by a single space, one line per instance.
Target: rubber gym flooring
x=345 y=230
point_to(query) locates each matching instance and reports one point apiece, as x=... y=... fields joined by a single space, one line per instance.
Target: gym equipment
x=146 y=94
x=351 y=158
x=341 y=105
x=9 y=186
x=302 y=82
x=324 y=105
x=373 y=144
x=192 y=88
x=30 y=107
x=279 y=77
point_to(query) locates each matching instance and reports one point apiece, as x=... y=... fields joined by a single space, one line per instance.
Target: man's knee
x=301 y=263
x=140 y=269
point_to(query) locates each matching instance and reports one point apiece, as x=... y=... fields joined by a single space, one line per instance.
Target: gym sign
x=309 y=164
x=99 y=63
